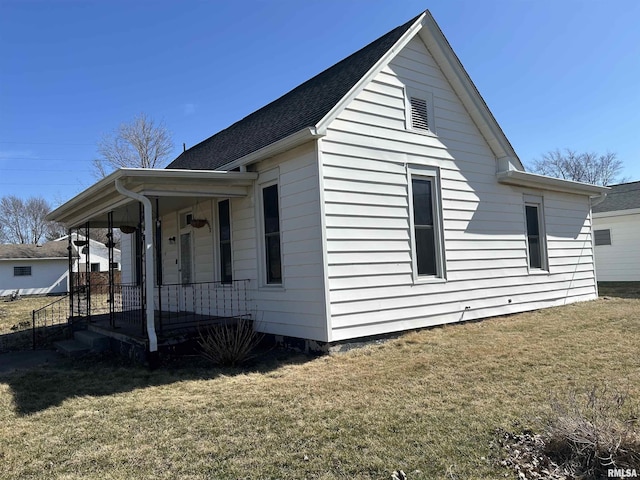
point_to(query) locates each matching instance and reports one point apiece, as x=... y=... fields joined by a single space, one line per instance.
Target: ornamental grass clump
x=593 y=433
x=230 y=343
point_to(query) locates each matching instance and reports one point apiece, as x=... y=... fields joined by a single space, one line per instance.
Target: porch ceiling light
x=127 y=229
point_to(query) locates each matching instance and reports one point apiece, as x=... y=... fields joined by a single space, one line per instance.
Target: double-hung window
x=535 y=233
x=426 y=236
x=271 y=230
x=224 y=228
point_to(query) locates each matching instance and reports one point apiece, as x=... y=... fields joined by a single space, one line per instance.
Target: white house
x=616 y=228
x=34 y=269
x=379 y=196
x=98 y=254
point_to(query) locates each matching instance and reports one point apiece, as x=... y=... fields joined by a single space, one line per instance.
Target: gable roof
x=624 y=196
x=302 y=107
x=48 y=250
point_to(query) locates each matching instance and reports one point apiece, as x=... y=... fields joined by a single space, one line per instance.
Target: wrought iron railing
x=49 y=321
x=176 y=306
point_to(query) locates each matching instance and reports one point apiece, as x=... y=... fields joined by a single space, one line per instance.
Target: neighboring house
x=616 y=229
x=377 y=197
x=34 y=269
x=98 y=254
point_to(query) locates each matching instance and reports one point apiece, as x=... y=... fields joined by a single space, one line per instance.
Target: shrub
x=583 y=437
x=593 y=433
x=230 y=343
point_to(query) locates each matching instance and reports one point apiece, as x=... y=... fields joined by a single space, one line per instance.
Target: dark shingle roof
x=623 y=196
x=46 y=250
x=302 y=107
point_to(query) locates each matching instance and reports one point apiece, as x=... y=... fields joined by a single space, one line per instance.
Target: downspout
x=148 y=263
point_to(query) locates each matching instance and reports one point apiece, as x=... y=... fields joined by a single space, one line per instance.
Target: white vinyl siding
x=620 y=261
x=366 y=197
x=35 y=276
x=297 y=307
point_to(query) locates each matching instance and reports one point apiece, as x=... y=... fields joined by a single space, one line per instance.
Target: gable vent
x=602 y=237
x=419 y=117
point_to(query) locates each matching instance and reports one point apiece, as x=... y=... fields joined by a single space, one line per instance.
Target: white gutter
x=533 y=180
x=148 y=255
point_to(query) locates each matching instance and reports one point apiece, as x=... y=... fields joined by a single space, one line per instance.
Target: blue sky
x=555 y=73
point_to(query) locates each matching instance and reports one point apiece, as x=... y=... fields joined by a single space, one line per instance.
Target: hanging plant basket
x=199 y=222
x=109 y=244
x=80 y=243
x=127 y=229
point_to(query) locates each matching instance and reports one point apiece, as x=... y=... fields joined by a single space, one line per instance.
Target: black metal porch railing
x=49 y=321
x=176 y=306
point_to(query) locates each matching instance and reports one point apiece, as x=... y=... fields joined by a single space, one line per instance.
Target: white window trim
x=267 y=179
x=425 y=95
x=433 y=174
x=536 y=201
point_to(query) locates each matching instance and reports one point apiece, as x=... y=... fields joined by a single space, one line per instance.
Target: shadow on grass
x=619 y=289
x=39 y=389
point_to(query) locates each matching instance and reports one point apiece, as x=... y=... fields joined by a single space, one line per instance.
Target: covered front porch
x=165 y=220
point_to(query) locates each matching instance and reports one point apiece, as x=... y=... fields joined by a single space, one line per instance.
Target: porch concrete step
x=71 y=348
x=95 y=341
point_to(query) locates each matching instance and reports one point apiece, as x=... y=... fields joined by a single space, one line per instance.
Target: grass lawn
x=15 y=321
x=427 y=403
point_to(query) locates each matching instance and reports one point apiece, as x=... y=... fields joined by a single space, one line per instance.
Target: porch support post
x=71 y=279
x=148 y=253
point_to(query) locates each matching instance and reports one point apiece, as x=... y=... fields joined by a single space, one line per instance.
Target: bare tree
x=23 y=221
x=139 y=144
x=585 y=167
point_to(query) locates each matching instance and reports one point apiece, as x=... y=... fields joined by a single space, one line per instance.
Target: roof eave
x=468 y=93
x=322 y=125
x=279 y=146
x=532 y=180
x=74 y=211
x=617 y=213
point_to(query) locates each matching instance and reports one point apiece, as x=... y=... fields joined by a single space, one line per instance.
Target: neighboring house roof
x=624 y=196
x=48 y=250
x=302 y=107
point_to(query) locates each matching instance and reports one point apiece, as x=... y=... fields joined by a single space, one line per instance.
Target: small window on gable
x=419 y=111
x=419 y=114
x=602 y=237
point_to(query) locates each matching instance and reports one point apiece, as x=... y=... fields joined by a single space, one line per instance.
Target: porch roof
x=175 y=189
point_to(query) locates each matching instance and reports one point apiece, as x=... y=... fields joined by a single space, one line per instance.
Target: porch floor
x=171 y=327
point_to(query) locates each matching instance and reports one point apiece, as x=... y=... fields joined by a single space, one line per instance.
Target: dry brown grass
x=15 y=320
x=427 y=403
